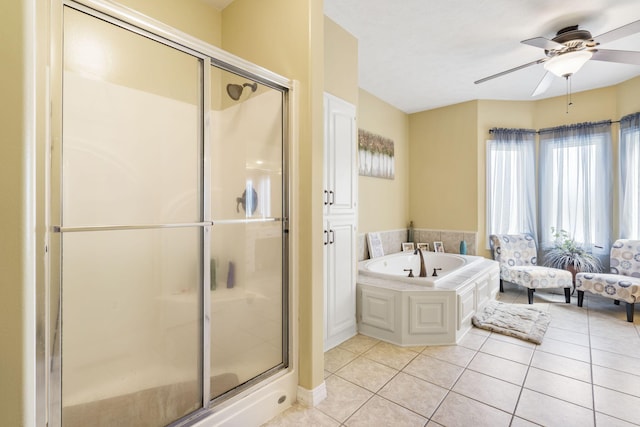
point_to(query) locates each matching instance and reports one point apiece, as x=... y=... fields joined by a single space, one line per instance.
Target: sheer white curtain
x=576 y=184
x=630 y=177
x=511 y=191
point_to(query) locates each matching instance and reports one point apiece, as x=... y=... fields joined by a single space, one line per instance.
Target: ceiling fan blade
x=618 y=33
x=539 y=61
x=544 y=84
x=622 y=56
x=543 y=43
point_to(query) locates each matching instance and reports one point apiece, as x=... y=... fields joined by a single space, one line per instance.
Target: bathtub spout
x=423 y=270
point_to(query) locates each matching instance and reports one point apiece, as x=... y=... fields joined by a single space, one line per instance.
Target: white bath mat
x=519 y=321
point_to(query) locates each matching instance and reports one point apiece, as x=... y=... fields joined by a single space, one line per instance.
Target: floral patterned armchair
x=623 y=281
x=517 y=255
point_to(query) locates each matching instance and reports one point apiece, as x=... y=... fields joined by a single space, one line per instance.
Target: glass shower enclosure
x=169 y=290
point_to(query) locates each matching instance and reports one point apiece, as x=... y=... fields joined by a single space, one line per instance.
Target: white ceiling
x=423 y=54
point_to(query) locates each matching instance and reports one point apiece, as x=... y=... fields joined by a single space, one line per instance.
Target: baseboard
x=311 y=398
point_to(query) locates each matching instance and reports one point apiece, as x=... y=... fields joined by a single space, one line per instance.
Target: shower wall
x=115 y=274
x=251 y=155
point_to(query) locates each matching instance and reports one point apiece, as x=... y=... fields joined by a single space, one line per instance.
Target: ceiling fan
x=570 y=49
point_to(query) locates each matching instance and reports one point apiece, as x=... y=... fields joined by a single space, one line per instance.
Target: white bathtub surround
x=431 y=312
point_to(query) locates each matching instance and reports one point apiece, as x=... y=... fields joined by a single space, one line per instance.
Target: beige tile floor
x=586 y=372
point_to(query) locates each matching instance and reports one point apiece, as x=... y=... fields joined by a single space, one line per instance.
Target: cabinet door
x=340 y=282
x=340 y=164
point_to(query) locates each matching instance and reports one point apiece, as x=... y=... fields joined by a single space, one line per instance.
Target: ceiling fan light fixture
x=568 y=63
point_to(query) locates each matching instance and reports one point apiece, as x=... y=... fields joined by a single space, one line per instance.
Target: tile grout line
x=593 y=389
x=524 y=380
x=391 y=379
x=381 y=387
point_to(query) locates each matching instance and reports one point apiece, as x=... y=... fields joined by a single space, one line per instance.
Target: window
x=630 y=177
x=576 y=184
x=511 y=192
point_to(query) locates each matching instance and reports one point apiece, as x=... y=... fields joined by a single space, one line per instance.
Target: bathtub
x=438 y=266
x=418 y=311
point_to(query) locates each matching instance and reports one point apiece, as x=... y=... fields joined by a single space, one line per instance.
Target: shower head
x=235 y=90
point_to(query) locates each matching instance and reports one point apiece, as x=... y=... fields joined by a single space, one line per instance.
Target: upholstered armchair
x=623 y=281
x=517 y=255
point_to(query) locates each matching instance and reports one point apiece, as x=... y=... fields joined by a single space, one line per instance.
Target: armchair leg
x=567 y=295
x=501 y=286
x=630 y=306
x=580 y=298
x=530 y=292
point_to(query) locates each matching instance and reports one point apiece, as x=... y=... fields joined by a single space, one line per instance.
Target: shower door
x=131 y=227
x=168 y=194
x=248 y=279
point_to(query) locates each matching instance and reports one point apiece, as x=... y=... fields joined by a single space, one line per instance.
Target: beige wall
x=194 y=17
x=628 y=97
x=592 y=105
x=287 y=37
x=443 y=168
x=340 y=62
x=14 y=148
x=383 y=204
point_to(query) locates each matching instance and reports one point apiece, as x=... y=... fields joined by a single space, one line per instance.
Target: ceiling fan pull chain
x=570 y=91
x=568 y=100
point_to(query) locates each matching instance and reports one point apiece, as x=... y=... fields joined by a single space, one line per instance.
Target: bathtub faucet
x=423 y=270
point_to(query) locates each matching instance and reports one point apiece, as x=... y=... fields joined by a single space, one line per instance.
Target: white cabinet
x=340 y=173
x=340 y=281
x=340 y=221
